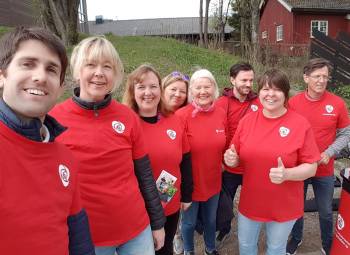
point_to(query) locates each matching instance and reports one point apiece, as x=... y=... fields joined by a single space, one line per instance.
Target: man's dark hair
x=10 y=42
x=241 y=66
x=316 y=63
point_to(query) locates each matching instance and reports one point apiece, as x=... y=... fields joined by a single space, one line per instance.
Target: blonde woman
x=106 y=137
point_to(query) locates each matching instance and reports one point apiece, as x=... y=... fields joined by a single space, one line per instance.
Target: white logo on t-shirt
x=340 y=222
x=171 y=134
x=329 y=108
x=254 y=107
x=284 y=131
x=63 y=172
x=118 y=127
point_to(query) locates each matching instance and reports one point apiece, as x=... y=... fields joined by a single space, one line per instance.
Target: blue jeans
x=189 y=218
x=141 y=244
x=323 y=188
x=276 y=236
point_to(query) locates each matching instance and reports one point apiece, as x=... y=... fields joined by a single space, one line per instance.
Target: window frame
x=319 y=22
x=279 y=33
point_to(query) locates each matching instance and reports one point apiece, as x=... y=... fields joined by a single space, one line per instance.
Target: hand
x=158 y=238
x=324 y=159
x=278 y=174
x=231 y=157
x=185 y=206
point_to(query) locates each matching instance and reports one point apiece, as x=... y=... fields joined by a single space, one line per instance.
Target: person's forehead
x=28 y=50
x=245 y=73
x=321 y=69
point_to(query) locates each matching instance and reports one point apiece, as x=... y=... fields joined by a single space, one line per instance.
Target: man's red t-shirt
x=325 y=116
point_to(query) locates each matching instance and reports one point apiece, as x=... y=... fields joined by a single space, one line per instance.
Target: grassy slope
x=167 y=55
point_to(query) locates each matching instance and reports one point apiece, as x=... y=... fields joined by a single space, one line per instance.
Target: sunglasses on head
x=182 y=76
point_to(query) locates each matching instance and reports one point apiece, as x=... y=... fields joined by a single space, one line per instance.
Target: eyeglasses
x=318 y=77
x=182 y=76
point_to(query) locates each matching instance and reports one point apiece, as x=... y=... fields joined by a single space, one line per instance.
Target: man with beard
x=237 y=101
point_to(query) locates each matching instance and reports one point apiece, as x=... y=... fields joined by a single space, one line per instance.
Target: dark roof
x=164 y=26
x=319 y=4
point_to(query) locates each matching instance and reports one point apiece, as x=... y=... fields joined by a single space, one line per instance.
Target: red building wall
x=275 y=14
x=302 y=26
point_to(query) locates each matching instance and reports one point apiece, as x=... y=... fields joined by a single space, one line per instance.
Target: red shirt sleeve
x=309 y=152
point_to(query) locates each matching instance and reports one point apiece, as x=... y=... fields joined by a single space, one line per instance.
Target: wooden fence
x=336 y=51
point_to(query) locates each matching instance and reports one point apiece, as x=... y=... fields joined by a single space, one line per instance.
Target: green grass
x=168 y=55
x=3 y=30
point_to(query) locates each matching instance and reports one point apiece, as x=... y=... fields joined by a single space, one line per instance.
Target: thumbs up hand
x=231 y=157
x=278 y=174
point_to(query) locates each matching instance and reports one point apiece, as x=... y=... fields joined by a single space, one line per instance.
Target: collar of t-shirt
x=151 y=120
x=31 y=129
x=228 y=92
x=91 y=105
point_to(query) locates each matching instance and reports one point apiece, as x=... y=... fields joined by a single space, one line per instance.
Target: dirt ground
x=311 y=243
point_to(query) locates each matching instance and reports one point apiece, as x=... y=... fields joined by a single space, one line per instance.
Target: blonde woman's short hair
x=96 y=48
x=203 y=73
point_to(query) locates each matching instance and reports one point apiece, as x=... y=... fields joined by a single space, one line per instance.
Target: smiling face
x=203 y=92
x=317 y=82
x=175 y=95
x=31 y=83
x=96 y=79
x=272 y=100
x=147 y=95
x=242 y=83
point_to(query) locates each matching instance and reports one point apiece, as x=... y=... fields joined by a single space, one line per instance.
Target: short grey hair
x=202 y=73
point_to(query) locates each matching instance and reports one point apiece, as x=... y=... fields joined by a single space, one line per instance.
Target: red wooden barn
x=286 y=25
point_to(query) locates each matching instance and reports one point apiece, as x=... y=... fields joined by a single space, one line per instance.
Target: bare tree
x=206 y=19
x=201 y=41
x=223 y=20
x=254 y=8
x=61 y=17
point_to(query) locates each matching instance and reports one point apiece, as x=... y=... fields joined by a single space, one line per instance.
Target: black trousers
x=170 y=230
x=230 y=183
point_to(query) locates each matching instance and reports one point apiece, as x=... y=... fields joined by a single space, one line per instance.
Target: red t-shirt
x=325 y=116
x=106 y=145
x=259 y=141
x=235 y=111
x=207 y=138
x=38 y=191
x=166 y=142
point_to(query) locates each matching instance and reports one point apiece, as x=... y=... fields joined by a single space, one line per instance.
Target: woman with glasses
x=277 y=150
x=166 y=143
x=205 y=127
x=107 y=139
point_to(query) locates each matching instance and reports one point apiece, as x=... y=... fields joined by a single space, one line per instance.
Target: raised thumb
x=280 y=162
x=233 y=148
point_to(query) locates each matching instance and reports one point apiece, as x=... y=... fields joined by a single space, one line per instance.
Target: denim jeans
x=189 y=218
x=141 y=244
x=323 y=188
x=276 y=236
x=230 y=184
